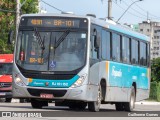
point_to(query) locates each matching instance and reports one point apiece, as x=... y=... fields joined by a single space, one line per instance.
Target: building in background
x=134 y=27
x=152 y=30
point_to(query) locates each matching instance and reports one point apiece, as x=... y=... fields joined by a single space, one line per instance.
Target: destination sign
x=73 y=23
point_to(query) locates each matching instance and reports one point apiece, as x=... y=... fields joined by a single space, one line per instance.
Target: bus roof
x=106 y=24
x=111 y=25
x=6 y=58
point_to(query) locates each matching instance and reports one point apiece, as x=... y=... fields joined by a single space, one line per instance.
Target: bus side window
x=94 y=45
x=116 y=48
x=125 y=49
x=143 y=54
x=106 y=45
x=148 y=55
x=134 y=52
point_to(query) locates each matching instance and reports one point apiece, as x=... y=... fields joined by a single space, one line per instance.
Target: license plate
x=43 y=95
x=2 y=94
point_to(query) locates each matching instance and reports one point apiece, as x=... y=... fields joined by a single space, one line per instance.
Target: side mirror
x=10 y=36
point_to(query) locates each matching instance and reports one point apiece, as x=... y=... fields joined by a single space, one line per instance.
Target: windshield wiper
x=63 y=36
x=40 y=41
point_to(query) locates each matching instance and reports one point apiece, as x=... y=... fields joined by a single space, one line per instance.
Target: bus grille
x=48 y=77
x=5 y=85
x=37 y=92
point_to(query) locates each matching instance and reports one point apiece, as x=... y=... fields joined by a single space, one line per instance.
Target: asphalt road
x=19 y=110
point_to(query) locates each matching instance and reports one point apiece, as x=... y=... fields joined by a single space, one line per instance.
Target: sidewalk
x=148 y=103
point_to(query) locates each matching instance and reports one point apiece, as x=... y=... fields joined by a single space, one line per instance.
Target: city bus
x=6 y=61
x=80 y=61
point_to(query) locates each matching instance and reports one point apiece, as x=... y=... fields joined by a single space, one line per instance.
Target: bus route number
x=34 y=60
x=36 y=22
x=63 y=23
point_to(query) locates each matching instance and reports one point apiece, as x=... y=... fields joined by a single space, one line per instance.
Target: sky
x=135 y=14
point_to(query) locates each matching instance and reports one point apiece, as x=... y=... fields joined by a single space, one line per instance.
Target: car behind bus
x=6 y=61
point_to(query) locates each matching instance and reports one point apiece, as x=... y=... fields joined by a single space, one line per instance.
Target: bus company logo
x=38 y=83
x=116 y=73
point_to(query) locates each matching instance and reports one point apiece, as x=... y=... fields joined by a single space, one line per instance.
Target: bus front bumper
x=82 y=93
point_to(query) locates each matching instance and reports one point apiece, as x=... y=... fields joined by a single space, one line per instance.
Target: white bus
x=80 y=61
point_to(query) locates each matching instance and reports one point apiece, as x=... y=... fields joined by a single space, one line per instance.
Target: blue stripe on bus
x=129 y=32
x=53 y=83
x=123 y=75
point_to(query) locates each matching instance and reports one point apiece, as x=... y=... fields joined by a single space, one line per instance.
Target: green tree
x=30 y=6
x=7 y=19
x=155 y=70
x=6 y=23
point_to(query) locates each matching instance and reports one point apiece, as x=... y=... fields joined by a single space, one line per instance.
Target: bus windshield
x=51 y=51
x=5 y=68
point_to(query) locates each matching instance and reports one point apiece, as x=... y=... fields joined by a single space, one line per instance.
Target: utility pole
x=18 y=8
x=17 y=15
x=147 y=15
x=39 y=7
x=109 y=9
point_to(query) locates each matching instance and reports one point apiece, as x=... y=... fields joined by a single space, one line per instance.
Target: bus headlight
x=80 y=81
x=19 y=82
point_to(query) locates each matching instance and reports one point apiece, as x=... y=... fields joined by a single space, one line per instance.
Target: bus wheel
x=95 y=106
x=38 y=104
x=119 y=106
x=129 y=106
x=8 y=100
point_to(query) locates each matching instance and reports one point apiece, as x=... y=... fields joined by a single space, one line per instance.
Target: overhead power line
x=129 y=11
x=52 y=6
x=133 y=8
x=153 y=16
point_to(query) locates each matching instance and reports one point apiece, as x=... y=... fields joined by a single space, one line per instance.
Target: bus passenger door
x=94 y=58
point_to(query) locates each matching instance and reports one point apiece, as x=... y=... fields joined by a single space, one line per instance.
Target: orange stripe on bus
x=107 y=67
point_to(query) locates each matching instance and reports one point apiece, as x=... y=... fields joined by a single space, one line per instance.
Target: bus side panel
x=94 y=78
x=142 y=94
x=116 y=90
x=143 y=84
x=121 y=78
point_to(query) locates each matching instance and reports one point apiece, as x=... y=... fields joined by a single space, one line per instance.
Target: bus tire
x=129 y=106
x=95 y=106
x=119 y=106
x=38 y=104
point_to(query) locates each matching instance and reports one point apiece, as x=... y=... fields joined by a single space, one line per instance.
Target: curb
x=147 y=103
x=137 y=103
